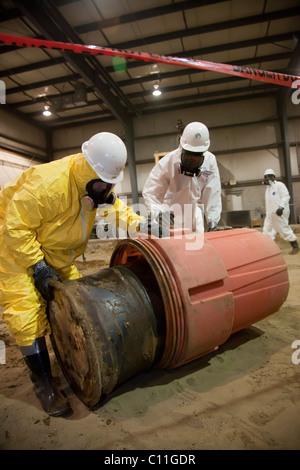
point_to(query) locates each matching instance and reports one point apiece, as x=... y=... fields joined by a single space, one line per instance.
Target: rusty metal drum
x=104 y=331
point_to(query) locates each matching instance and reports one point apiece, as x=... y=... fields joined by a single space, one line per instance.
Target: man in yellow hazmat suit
x=46 y=218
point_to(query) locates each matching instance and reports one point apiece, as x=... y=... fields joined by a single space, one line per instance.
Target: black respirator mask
x=268 y=179
x=191 y=163
x=98 y=193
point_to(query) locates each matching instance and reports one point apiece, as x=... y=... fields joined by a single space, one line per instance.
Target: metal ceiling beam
x=251 y=92
x=171 y=89
x=204 y=96
x=209 y=28
x=5 y=49
x=48 y=27
x=8 y=15
x=43 y=83
x=22 y=116
x=148 y=93
x=58 y=18
x=121 y=19
x=176 y=107
x=40 y=14
x=82 y=117
x=183 y=72
x=207 y=102
x=134 y=63
x=143 y=14
x=164 y=76
x=31 y=67
x=222 y=47
x=128 y=123
x=94 y=118
x=42 y=99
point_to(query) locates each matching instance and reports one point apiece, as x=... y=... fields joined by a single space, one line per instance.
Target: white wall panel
x=253 y=135
x=145 y=148
x=294 y=130
x=246 y=166
x=20 y=136
x=11 y=165
x=214 y=115
x=69 y=140
x=143 y=173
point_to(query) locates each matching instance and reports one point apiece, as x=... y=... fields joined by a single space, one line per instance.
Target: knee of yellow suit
x=24 y=309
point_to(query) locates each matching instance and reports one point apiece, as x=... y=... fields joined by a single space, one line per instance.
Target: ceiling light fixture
x=46 y=111
x=156 y=91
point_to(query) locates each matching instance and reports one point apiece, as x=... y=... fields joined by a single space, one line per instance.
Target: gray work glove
x=166 y=219
x=153 y=228
x=42 y=275
x=279 y=211
x=212 y=227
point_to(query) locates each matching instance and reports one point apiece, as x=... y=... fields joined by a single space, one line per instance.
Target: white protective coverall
x=41 y=216
x=167 y=189
x=276 y=196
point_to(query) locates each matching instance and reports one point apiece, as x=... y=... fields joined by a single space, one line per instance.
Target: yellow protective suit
x=41 y=216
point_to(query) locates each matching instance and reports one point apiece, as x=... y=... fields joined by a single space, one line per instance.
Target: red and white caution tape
x=241 y=71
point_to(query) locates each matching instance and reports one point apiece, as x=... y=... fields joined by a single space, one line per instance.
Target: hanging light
x=156 y=91
x=47 y=111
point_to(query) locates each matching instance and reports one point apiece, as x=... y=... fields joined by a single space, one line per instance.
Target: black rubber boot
x=51 y=399
x=295 y=247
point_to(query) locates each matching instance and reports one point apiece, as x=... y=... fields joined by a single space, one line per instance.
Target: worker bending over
x=46 y=218
x=182 y=179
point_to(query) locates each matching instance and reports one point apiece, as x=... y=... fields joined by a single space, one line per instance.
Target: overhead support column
x=49 y=147
x=285 y=141
x=283 y=96
x=131 y=159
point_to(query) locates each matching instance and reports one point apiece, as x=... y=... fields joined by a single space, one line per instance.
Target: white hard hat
x=269 y=172
x=107 y=155
x=195 y=137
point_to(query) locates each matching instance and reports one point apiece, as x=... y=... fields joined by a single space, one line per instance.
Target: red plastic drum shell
x=233 y=280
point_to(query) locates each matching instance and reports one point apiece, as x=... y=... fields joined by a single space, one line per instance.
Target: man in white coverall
x=184 y=177
x=277 y=211
x=46 y=217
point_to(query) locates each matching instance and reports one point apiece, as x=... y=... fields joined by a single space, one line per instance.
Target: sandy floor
x=245 y=396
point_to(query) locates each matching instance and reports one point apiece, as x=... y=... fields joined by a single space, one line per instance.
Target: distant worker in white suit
x=183 y=178
x=277 y=211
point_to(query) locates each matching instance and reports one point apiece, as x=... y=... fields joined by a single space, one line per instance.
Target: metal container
x=104 y=331
x=163 y=303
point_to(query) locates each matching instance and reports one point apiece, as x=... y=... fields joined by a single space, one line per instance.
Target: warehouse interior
x=253 y=125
